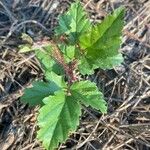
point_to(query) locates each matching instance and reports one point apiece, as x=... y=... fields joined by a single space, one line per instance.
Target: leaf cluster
x=78 y=48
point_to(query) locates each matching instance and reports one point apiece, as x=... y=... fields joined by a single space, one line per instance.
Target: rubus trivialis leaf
x=88 y=94
x=34 y=95
x=44 y=55
x=68 y=52
x=101 y=44
x=73 y=23
x=52 y=76
x=58 y=118
x=47 y=61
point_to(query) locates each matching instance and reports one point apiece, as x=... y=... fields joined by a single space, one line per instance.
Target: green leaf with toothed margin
x=39 y=90
x=58 y=118
x=101 y=44
x=88 y=94
x=73 y=23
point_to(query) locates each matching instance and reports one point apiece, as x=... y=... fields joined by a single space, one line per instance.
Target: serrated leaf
x=110 y=62
x=68 y=52
x=85 y=66
x=58 y=69
x=48 y=63
x=88 y=93
x=44 y=55
x=57 y=118
x=64 y=25
x=39 y=90
x=73 y=23
x=52 y=76
x=101 y=44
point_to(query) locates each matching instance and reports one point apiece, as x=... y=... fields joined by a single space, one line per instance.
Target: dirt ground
x=126 y=87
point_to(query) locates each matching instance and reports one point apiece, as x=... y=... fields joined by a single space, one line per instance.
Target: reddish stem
x=68 y=68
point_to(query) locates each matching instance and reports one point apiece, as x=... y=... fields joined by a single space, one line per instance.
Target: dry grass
x=126 y=88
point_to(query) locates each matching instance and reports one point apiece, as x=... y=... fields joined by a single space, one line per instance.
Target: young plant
x=77 y=49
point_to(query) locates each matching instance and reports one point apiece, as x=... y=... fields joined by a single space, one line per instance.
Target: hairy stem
x=68 y=68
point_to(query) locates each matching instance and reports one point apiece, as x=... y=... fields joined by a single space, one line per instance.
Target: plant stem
x=68 y=68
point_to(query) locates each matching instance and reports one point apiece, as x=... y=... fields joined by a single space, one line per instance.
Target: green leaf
x=44 y=55
x=73 y=23
x=101 y=44
x=89 y=95
x=52 y=76
x=85 y=66
x=58 y=69
x=68 y=52
x=64 y=24
x=48 y=63
x=57 y=118
x=34 y=95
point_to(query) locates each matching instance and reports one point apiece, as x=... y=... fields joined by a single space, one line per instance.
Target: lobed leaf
x=73 y=23
x=34 y=95
x=48 y=63
x=52 y=76
x=101 y=44
x=68 y=52
x=57 y=118
x=89 y=95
